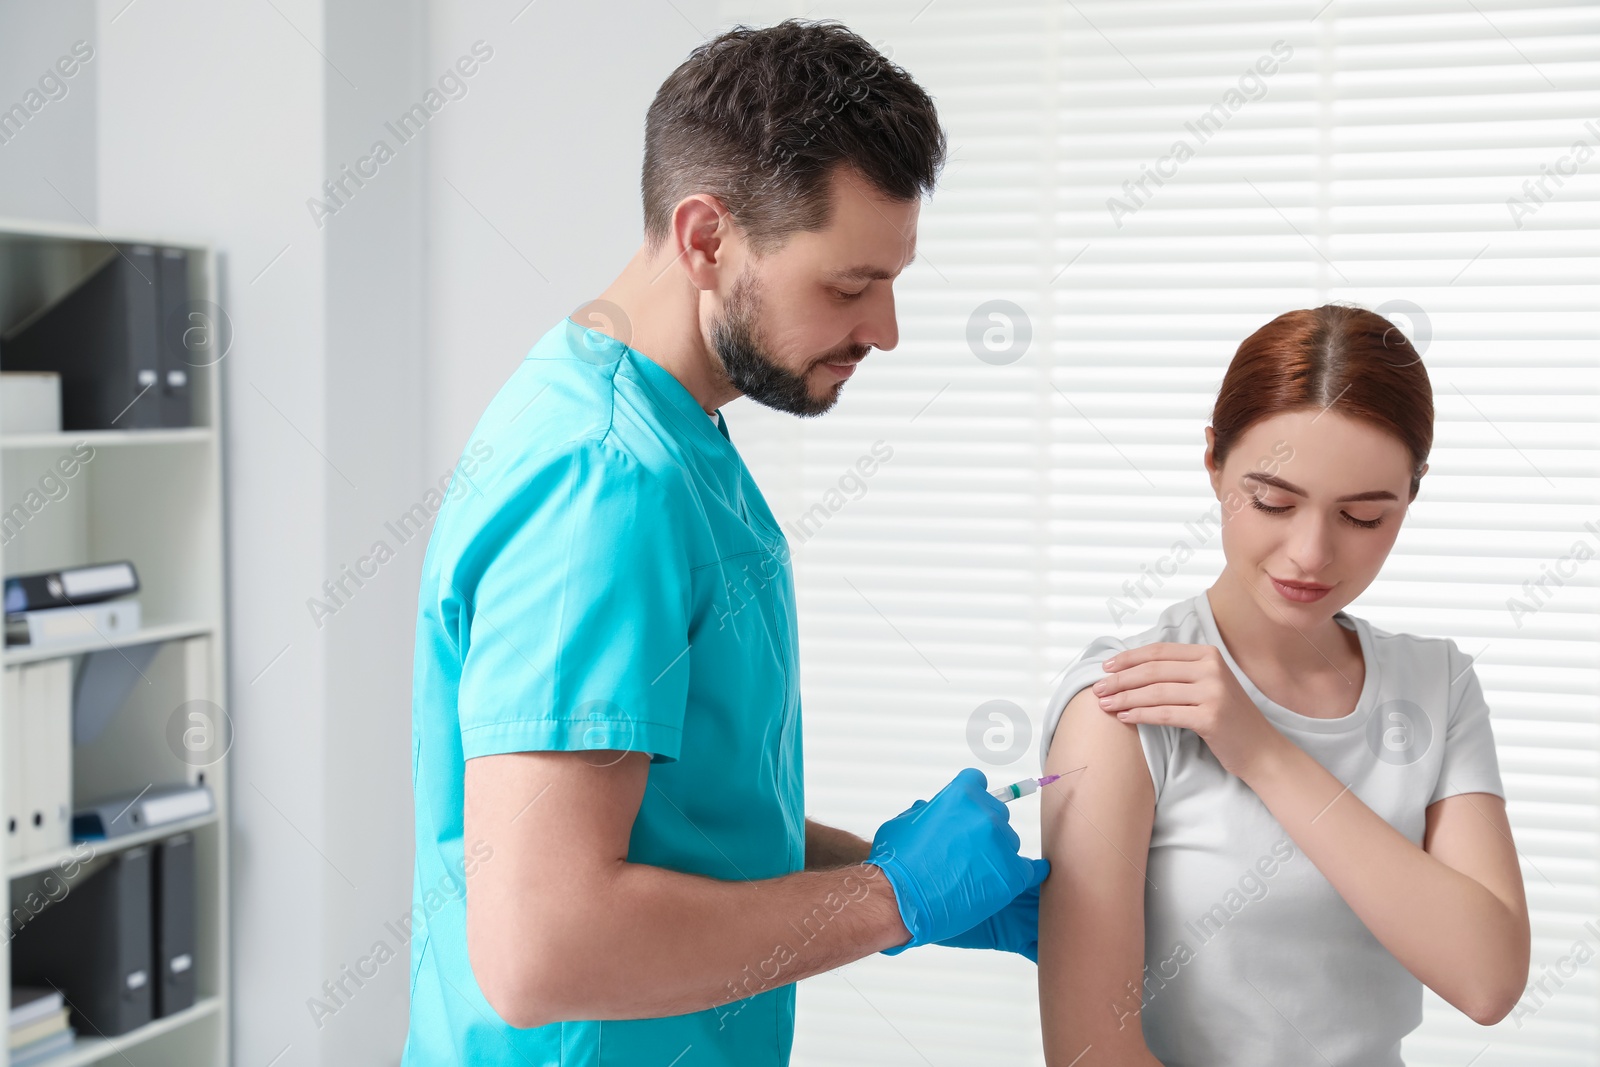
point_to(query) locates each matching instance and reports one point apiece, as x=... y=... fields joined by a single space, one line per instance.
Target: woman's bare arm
x=1091 y=910
x=1453 y=912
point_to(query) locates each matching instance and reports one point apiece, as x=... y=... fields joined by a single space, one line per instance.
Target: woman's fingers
x=1161 y=670
x=1176 y=693
x=1173 y=650
x=1181 y=716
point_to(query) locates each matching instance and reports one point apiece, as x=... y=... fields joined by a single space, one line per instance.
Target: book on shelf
x=39 y=1028
x=29 y=1004
x=153 y=807
x=44 y=1049
x=70 y=585
x=48 y=627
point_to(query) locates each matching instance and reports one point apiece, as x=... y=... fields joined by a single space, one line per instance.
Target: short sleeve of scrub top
x=581 y=603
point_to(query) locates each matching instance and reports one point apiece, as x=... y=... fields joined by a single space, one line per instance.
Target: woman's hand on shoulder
x=1189 y=686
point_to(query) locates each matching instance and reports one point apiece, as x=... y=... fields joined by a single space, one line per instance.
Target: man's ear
x=702 y=239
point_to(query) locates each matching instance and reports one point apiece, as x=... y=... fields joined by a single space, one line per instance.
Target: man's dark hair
x=759 y=118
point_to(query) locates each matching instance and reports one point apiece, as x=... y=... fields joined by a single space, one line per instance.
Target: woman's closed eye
x=1365 y=524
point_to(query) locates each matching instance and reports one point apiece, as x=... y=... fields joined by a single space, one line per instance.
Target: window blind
x=1146 y=183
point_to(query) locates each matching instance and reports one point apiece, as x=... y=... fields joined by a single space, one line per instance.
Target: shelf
x=104 y=846
x=90 y=1049
x=153 y=496
x=35 y=229
x=106 y=438
x=16 y=654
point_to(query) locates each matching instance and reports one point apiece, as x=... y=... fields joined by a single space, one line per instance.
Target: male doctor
x=613 y=861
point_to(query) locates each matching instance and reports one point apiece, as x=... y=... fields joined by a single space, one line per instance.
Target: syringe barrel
x=1007 y=793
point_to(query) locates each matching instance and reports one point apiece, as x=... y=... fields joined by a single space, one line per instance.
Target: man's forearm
x=652 y=942
x=827 y=846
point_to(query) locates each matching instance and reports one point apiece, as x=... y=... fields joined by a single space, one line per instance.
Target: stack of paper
x=38 y=1025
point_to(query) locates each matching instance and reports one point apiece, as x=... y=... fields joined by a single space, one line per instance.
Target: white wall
x=533 y=183
x=219 y=122
x=211 y=120
x=47 y=159
x=373 y=426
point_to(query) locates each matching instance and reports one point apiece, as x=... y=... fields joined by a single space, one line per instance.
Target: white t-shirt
x=1232 y=902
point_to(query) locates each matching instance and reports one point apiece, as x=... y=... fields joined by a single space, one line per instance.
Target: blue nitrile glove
x=1014 y=928
x=953 y=861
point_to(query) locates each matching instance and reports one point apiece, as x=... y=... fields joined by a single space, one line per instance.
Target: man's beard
x=755 y=374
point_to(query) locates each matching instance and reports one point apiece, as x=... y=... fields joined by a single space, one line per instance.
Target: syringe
x=1007 y=793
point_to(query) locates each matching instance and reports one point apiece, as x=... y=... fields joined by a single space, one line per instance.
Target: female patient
x=1280 y=821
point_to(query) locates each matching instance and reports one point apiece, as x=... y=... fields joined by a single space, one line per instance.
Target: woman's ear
x=1211 y=461
x=1418 y=483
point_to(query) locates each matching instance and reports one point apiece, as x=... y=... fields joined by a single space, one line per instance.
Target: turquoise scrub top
x=603 y=573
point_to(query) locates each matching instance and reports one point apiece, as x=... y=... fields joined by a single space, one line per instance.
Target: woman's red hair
x=1335 y=357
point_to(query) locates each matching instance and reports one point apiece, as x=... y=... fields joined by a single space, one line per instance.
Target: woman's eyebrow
x=1290 y=487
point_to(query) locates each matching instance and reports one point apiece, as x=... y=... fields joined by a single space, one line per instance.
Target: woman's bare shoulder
x=1100 y=754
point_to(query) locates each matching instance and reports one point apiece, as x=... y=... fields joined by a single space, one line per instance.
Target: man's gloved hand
x=953 y=864
x=1014 y=928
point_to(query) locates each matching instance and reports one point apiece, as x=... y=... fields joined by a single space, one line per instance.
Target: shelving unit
x=154 y=497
